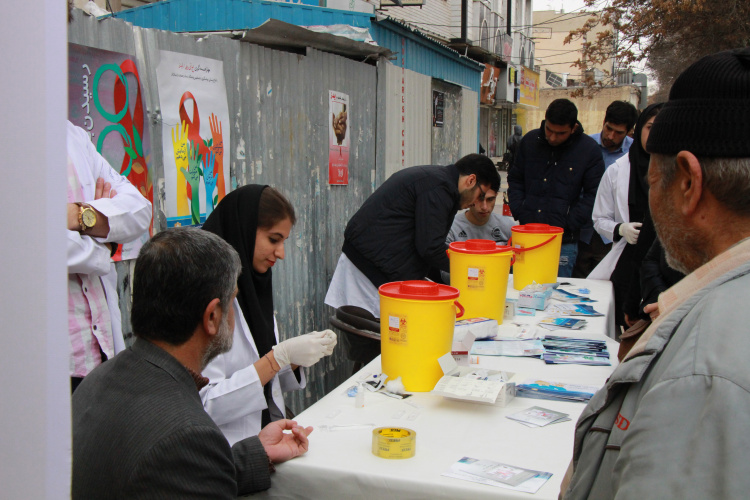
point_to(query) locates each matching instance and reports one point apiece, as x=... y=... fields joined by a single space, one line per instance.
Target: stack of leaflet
x=565 y=296
x=573 y=310
x=561 y=350
x=530 y=348
x=562 y=323
x=554 y=391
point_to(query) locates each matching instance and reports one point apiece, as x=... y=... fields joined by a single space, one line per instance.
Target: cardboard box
x=510 y=308
x=454 y=385
x=480 y=328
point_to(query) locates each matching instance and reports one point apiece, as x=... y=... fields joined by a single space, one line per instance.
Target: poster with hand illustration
x=338 y=138
x=195 y=134
x=105 y=99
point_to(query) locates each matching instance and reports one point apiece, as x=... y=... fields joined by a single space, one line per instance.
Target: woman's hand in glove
x=305 y=350
x=630 y=231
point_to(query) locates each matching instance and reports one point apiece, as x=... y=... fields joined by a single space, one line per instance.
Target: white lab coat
x=128 y=213
x=234 y=396
x=610 y=209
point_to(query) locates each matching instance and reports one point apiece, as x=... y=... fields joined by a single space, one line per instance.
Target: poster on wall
x=438 y=108
x=193 y=100
x=490 y=75
x=529 y=87
x=105 y=99
x=338 y=138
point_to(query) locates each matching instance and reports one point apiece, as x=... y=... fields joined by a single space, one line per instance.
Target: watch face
x=88 y=217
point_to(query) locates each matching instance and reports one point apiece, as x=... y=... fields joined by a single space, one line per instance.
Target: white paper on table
x=531 y=485
x=531 y=347
x=516 y=331
x=537 y=416
x=483 y=391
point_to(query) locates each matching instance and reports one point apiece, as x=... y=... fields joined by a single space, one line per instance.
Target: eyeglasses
x=482 y=192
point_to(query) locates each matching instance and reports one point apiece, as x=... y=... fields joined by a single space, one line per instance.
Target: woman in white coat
x=246 y=385
x=611 y=214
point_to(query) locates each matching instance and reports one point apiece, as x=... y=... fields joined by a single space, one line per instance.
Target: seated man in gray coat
x=139 y=428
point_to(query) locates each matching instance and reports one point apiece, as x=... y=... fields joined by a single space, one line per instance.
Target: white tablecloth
x=340 y=464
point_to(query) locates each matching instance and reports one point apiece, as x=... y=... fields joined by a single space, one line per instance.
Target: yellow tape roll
x=394 y=442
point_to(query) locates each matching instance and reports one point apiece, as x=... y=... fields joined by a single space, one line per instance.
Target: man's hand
x=281 y=446
x=103 y=189
x=652 y=310
x=630 y=231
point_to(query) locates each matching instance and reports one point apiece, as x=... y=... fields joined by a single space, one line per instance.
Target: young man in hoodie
x=555 y=176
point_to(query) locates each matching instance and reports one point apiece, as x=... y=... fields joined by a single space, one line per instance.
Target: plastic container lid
x=418 y=290
x=536 y=228
x=479 y=247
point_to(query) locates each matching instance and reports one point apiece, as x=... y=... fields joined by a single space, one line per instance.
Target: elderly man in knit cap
x=672 y=420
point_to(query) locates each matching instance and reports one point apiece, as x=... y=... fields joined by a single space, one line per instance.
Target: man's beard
x=222 y=342
x=682 y=245
x=466 y=197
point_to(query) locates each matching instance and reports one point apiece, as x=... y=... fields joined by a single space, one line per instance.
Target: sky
x=567 y=5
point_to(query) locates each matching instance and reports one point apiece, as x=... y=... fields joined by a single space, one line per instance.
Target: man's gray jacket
x=140 y=431
x=673 y=422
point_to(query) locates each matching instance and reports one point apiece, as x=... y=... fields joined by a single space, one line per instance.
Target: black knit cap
x=708 y=112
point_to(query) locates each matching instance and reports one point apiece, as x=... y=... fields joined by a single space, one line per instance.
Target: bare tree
x=666 y=35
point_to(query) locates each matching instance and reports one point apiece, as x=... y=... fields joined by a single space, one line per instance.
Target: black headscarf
x=639 y=158
x=235 y=219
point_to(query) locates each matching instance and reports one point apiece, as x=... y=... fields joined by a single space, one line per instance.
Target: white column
x=34 y=381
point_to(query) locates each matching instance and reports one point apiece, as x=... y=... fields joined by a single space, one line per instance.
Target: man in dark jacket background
x=399 y=232
x=555 y=176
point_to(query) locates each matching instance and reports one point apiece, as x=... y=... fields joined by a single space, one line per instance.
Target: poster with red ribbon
x=194 y=112
x=338 y=138
x=105 y=98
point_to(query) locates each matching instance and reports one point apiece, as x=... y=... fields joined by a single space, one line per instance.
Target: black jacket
x=399 y=232
x=656 y=275
x=555 y=185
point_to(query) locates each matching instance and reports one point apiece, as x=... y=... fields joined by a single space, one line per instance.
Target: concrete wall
x=590 y=110
x=446 y=140
x=35 y=393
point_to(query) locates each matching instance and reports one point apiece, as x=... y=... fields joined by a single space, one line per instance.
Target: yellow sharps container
x=479 y=269
x=537 y=249
x=417 y=319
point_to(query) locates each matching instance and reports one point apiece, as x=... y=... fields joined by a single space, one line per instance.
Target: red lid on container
x=418 y=290
x=478 y=247
x=536 y=228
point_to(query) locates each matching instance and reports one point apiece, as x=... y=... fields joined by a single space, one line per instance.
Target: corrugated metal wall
x=446 y=140
x=404 y=108
x=424 y=56
x=278 y=102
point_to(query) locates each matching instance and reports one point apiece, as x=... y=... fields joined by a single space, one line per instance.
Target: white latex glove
x=630 y=231
x=305 y=350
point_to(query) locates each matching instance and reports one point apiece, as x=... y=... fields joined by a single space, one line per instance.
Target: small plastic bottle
x=359 y=399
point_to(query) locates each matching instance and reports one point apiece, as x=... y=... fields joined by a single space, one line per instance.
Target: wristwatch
x=86 y=217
